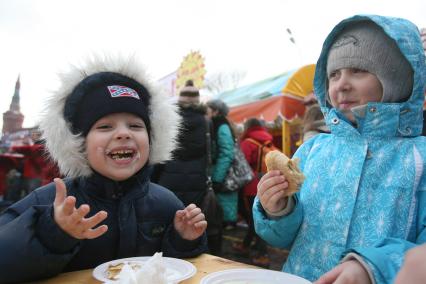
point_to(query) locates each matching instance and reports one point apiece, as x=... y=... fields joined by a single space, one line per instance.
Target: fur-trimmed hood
x=68 y=149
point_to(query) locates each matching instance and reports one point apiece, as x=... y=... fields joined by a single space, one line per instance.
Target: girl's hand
x=271 y=191
x=190 y=222
x=413 y=270
x=349 y=272
x=72 y=220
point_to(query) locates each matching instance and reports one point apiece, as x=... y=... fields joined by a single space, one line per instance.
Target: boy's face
x=351 y=87
x=117 y=145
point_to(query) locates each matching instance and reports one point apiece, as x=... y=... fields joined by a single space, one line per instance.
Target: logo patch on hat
x=117 y=91
x=345 y=40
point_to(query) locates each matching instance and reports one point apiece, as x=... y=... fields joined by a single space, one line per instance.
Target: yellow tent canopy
x=300 y=85
x=301 y=82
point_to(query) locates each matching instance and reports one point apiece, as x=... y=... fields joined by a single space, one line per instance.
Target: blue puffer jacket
x=365 y=187
x=140 y=223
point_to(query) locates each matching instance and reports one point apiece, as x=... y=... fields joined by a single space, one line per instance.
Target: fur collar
x=68 y=149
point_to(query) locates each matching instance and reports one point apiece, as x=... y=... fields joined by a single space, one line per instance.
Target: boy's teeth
x=122 y=152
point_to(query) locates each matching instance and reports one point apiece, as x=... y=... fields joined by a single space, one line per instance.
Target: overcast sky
x=39 y=38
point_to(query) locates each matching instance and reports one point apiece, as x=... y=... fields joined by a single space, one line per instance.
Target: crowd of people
x=24 y=168
x=136 y=170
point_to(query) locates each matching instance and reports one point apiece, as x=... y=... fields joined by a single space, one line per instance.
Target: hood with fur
x=68 y=149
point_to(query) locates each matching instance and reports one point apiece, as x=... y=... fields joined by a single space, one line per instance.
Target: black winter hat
x=105 y=93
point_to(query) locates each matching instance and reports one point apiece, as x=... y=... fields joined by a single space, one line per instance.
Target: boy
x=363 y=202
x=104 y=128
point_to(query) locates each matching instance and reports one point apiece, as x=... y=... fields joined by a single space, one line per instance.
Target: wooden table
x=205 y=264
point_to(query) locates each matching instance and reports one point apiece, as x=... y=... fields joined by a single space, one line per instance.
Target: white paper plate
x=176 y=269
x=252 y=276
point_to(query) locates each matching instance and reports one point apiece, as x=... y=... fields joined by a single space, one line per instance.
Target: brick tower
x=13 y=118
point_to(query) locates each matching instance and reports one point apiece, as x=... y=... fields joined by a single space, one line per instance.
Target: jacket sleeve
x=225 y=153
x=25 y=229
x=278 y=232
x=386 y=257
x=282 y=231
x=174 y=245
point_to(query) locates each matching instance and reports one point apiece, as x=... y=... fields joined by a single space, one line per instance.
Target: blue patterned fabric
x=365 y=187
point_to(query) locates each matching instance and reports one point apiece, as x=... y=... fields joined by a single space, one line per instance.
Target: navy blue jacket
x=140 y=223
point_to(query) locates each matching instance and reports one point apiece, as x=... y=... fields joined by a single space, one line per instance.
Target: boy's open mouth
x=122 y=154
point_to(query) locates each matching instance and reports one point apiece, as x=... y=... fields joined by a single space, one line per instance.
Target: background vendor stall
x=277 y=100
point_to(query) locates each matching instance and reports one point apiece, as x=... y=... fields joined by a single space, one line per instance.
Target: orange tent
x=268 y=109
x=279 y=96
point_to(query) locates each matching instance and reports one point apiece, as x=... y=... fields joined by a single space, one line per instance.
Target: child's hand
x=349 y=272
x=271 y=191
x=71 y=219
x=413 y=270
x=190 y=222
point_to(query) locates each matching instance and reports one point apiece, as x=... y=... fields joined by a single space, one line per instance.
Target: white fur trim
x=68 y=150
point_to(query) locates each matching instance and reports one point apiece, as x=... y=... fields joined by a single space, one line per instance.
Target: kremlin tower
x=13 y=118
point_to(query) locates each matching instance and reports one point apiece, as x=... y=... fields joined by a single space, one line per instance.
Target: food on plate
x=114 y=270
x=152 y=271
x=275 y=160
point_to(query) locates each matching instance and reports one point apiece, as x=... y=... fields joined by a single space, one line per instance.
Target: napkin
x=152 y=271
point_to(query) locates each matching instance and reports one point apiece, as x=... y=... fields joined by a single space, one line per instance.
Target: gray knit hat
x=364 y=45
x=219 y=106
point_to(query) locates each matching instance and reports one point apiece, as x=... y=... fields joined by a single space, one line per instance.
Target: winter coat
x=365 y=187
x=140 y=223
x=222 y=156
x=185 y=175
x=251 y=152
x=222 y=149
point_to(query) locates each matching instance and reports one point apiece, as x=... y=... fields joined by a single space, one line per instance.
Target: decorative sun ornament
x=191 y=68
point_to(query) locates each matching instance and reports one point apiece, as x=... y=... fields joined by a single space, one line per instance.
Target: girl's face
x=117 y=145
x=351 y=87
x=211 y=112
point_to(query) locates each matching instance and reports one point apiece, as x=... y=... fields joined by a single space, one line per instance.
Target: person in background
x=362 y=204
x=255 y=130
x=105 y=127
x=14 y=185
x=313 y=122
x=186 y=173
x=222 y=156
x=34 y=162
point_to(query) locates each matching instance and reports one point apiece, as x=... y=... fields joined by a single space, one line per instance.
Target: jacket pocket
x=151 y=233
